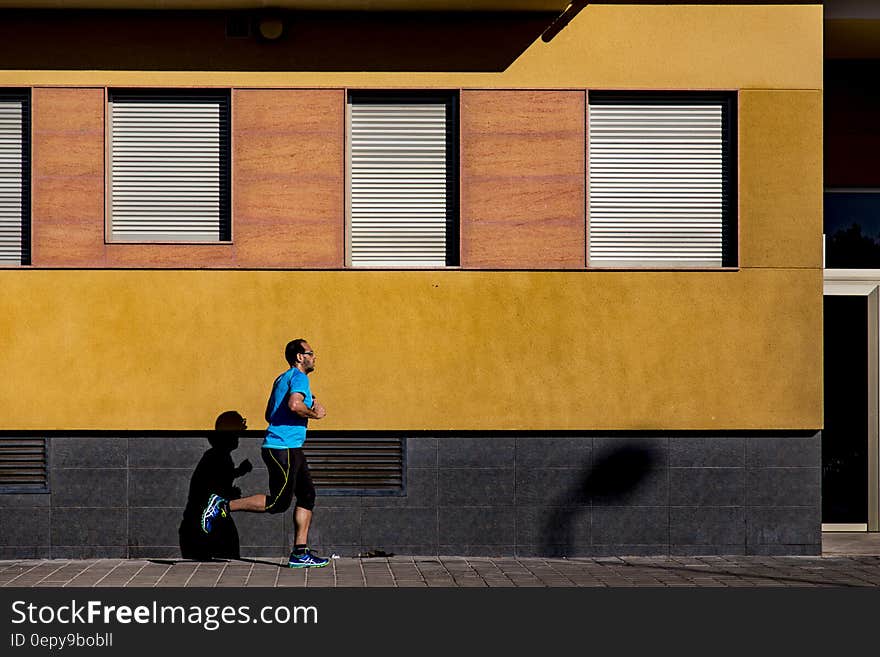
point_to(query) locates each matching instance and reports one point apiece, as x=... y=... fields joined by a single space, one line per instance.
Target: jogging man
x=291 y=405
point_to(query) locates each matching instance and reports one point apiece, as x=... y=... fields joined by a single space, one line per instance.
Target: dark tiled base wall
x=468 y=495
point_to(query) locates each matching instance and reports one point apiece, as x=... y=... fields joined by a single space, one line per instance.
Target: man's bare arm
x=296 y=403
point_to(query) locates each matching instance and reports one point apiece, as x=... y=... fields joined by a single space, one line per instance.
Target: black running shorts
x=288 y=476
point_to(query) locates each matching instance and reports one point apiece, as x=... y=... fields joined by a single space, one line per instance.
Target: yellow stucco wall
x=780 y=186
x=412 y=350
x=477 y=350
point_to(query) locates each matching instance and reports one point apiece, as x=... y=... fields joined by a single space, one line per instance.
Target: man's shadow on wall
x=615 y=476
x=214 y=474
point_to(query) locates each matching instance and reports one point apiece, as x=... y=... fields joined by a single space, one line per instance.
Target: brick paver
x=408 y=571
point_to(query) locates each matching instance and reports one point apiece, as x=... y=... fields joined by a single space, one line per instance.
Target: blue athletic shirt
x=286 y=428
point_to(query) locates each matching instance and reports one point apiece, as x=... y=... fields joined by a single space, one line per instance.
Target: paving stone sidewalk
x=408 y=571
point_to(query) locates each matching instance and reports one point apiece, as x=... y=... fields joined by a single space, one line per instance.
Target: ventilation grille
x=23 y=464
x=356 y=464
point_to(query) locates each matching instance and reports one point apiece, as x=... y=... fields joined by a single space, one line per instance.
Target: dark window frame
x=729 y=151
x=870 y=241
x=24 y=95
x=451 y=98
x=225 y=173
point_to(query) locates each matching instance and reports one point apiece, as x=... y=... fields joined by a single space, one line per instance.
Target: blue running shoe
x=217 y=506
x=306 y=560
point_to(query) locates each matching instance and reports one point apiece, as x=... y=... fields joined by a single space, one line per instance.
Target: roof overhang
x=852 y=29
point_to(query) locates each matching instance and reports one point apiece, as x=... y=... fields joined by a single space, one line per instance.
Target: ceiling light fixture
x=270 y=27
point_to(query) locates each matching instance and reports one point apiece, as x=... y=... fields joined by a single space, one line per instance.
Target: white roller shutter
x=398 y=182
x=14 y=175
x=168 y=167
x=655 y=185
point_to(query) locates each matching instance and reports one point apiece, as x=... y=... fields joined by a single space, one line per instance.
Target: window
x=169 y=166
x=15 y=155
x=662 y=180
x=402 y=180
x=852 y=228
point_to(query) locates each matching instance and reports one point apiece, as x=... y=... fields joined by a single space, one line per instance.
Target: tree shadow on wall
x=214 y=474
x=310 y=41
x=614 y=478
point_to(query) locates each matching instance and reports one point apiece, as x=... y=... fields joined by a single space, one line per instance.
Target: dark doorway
x=845 y=438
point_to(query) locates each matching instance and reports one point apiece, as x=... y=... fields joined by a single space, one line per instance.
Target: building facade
x=562 y=268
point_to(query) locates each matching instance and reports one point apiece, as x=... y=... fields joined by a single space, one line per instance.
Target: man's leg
x=278 y=500
x=304 y=489
x=219 y=506
x=301 y=556
x=252 y=503
x=302 y=518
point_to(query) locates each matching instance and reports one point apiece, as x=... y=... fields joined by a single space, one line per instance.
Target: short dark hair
x=293 y=348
